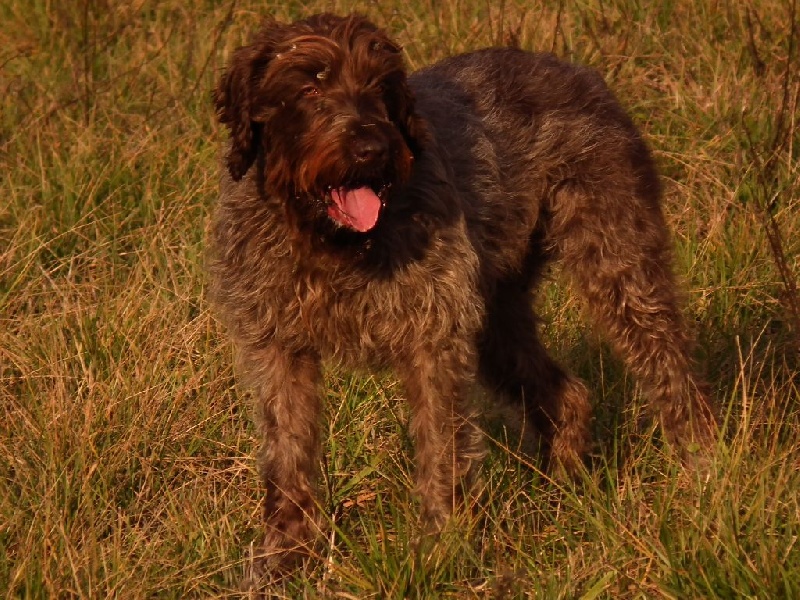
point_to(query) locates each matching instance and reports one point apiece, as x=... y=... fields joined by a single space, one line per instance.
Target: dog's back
x=519 y=126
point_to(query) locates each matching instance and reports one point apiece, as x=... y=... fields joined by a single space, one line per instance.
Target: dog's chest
x=362 y=322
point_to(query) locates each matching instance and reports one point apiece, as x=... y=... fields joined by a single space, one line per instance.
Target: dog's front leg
x=286 y=387
x=449 y=445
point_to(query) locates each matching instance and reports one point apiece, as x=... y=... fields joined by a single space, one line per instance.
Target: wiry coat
x=487 y=165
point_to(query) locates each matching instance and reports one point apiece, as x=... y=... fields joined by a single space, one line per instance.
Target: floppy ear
x=413 y=127
x=235 y=99
x=399 y=98
x=416 y=130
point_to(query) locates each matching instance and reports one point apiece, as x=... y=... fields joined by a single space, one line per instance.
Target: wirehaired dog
x=380 y=220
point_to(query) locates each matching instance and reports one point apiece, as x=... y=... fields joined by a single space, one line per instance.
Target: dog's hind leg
x=546 y=403
x=615 y=247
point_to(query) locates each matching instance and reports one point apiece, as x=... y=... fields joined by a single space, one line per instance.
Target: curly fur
x=488 y=165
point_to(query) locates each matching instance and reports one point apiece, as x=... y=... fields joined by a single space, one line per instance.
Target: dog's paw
x=268 y=568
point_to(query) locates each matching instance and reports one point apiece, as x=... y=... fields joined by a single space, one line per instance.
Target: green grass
x=125 y=447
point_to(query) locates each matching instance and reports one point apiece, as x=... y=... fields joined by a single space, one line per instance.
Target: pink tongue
x=358 y=209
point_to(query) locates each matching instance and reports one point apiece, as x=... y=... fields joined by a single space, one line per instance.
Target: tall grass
x=125 y=447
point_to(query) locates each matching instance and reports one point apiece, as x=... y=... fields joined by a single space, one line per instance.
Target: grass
x=125 y=447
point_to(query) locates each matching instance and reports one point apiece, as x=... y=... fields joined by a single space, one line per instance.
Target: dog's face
x=324 y=106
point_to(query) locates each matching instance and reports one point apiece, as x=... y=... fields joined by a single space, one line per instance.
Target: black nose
x=369 y=151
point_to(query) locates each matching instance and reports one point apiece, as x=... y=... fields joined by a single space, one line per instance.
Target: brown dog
x=385 y=221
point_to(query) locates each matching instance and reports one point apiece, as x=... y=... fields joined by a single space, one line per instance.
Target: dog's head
x=324 y=106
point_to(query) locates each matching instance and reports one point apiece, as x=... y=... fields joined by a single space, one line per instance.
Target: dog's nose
x=369 y=151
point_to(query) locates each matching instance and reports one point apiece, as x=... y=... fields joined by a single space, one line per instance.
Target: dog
x=374 y=219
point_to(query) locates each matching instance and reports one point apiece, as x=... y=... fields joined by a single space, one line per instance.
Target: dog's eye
x=309 y=90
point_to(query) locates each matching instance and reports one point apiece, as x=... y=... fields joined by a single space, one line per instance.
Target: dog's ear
x=412 y=126
x=399 y=97
x=235 y=98
x=416 y=131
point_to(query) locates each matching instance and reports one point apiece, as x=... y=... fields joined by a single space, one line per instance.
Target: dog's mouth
x=356 y=207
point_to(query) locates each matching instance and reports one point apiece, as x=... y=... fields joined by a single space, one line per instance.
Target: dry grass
x=125 y=466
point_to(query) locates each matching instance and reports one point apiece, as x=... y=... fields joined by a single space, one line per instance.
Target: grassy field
x=125 y=447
